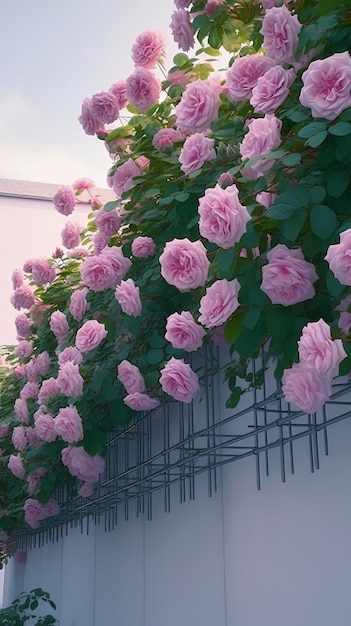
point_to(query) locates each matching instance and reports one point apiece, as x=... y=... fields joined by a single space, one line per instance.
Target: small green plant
x=23 y=609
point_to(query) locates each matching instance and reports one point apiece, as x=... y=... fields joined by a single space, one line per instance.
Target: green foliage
x=23 y=608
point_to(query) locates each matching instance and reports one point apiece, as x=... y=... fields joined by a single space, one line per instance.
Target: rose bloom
x=82 y=184
x=130 y=377
x=98 y=273
x=100 y=241
x=211 y=6
x=23 y=349
x=263 y=136
x=22 y=325
x=119 y=263
x=108 y=222
x=22 y=298
x=118 y=89
x=42 y=272
x=179 y=381
x=183 y=332
x=266 y=198
x=90 y=335
x=140 y=402
x=122 y=180
x=305 y=388
x=184 y=264
x=280 y=32
x=70 y=355
x=89 y=123
x=69 y=380
x=19 y=438
x=128 y=296
x=327 y=86
x=198 y=107
x=82 y=465
x=182 y=4
x=15 y=464
x=222 y=218
x=59 y=325
x=51 y=508
x=143 y=247
x=64 y=200
x=3 y=430
x=17 y=278
x=272 y=89
x=78 y=304
x=318 y=351
x=196 y=151
x=180 y=77
x=104 y=107
x=86 y=490
x=70 y=235
x=143 y=89
x=288 y=278
x=42 y=363
x=148 y=47
x=68 y=424
x=33 y=512
x=166 y=137
x=32 y=373
x=32 y=436
x=181 y=30
x=49 y=388
x=243 y=75
x=339 y=258
x=30 y=390
x=45 y=427
x=219 y=302
x=21 y=410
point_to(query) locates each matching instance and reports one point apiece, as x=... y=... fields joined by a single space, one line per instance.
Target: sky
x=53 y=55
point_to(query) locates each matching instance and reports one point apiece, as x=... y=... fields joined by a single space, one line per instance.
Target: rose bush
x=229 y=222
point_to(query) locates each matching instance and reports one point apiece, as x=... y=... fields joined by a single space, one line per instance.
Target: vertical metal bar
x=325 y=433
x=256 y=442
x=310 y=445
x=315 y=441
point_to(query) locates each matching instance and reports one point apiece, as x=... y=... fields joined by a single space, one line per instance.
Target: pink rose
x=181 y=29
x=24 y=348
x=50 y=509
x=182 y=4
x=32 y=373
x=42 y=272
x=196 y=151
x=140 y=401
x=22 y=325
x=19 y=438
x=30 y=390
x=143 y=247
x=222 y=218
x=219 y=302
x=339 y=258
x=184 y=264
x=17 y=278
x=344 y=322
x=104 y=107
x=318 y=351
x=82 y=184
x=100 y=241
x=148 y=48
x=71 y=235
x=21 y=410
x=89 y=123
x=183 y=332
x=33 y=512
x=263 y=136
x=82 y=465
x=212 y=5
x=33 y=480
x=68 y=424
x=76 y=253
x=70 y=354
x=143 y=89
x=22 y=298
x=225 y=179
x=179 y=77
x=59 y=325
x=64 y=200
x=78 y=304
x=86 y=490
x=127 y=295
x=243 y=75
x=198 y=107
x=119 y=263
x=32 y=436
x=45 y=427
x=179 y=381
x=49 y=388
x=305 y=388
x=280 y=32
x=271 y=90
x=118 y=89
x=130 y=377
x=3 y=430
x=108 y=222
x=122 y=180
x=15 y=464
x=288 y=278
x=327 y=86
x=42 y=363
x=90 y=335
x=166 y=137
x=69 y=380
x=106 y=270
x=266 y=198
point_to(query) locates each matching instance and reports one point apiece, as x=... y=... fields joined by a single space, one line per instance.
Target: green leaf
x=251 y=318
x=335 y=288
x=337 y=182
x=278 y=322
x=316 y=194
x=183 y=196
x=293 y=225
x=281 y=211
x=340 y=129
x=234 y=398
x=109 y=206
x=323 y=221
x=154 y=357
x=292 y=159
x=316 y=140
x=226 y=258
x=234 y=326
x=314 y=128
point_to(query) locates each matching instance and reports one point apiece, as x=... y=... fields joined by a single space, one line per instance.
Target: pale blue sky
x=53 y=54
